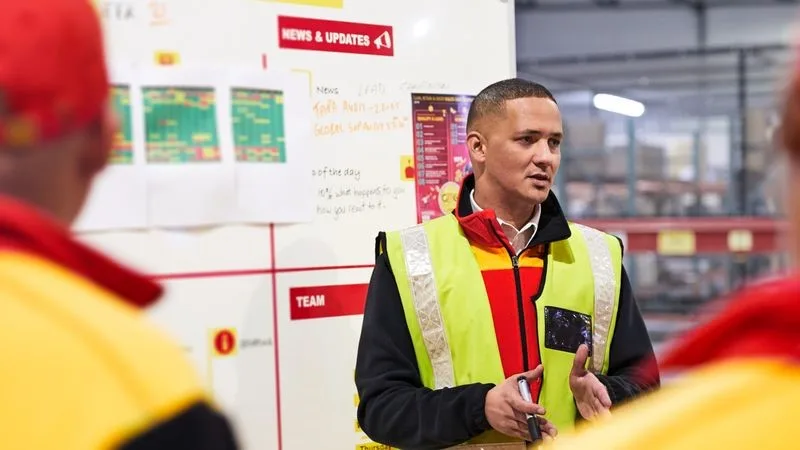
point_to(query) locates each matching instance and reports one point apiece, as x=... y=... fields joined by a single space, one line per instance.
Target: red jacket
x=513 y=283
x=762 y=321
x=24 y=229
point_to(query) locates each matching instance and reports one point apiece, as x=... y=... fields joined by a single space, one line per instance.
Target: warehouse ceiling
x=693 y=82
x=698 y=81
x=583 y=5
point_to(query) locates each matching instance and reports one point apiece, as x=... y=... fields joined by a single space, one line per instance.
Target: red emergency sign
x=224 y=342
x=301 y=33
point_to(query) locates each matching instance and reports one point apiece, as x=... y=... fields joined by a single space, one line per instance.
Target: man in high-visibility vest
x=736 y=377
x=81 y=367
x=462 y=305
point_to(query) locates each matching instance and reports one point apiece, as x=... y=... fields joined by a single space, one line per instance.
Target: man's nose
x=542 y=154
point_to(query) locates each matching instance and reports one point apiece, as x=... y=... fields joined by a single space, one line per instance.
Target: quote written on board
x=342 y=193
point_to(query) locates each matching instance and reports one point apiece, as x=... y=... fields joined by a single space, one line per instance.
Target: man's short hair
x=492 y=99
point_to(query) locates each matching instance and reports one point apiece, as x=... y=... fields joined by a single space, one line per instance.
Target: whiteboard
x=270 y=314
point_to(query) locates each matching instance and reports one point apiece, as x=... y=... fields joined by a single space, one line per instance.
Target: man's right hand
x=505 y=409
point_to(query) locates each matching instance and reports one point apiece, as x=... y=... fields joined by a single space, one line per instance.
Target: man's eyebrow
x=530 y=131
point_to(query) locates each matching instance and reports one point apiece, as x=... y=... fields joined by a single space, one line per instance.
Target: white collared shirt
x=519 y=239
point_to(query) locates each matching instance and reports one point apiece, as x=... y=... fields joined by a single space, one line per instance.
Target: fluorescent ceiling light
x=619 y=105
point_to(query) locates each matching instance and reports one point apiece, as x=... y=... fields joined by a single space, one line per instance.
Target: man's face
x=523 y=148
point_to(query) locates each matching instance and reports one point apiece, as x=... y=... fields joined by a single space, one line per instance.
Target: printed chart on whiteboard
x=440 y=151
x=122 y=149
x=258 y=129
x=181 y=125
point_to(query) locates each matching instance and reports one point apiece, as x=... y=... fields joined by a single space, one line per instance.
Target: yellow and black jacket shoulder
x=83 y=370
x=737 y=383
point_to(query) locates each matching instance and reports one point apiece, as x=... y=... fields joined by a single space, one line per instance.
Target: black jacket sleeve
x=632 y=367
x=199 y=427
x=395 y=409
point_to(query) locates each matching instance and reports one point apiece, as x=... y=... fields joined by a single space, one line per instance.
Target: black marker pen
x=533 y=421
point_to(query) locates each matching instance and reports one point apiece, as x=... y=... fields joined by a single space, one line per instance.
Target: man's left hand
x=591 y=396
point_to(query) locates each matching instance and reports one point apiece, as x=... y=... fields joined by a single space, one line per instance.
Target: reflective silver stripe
x=426 y=302
x=604 y=291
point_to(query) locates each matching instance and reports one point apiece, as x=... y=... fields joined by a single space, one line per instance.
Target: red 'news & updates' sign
x=332 y=36
x=314 y=302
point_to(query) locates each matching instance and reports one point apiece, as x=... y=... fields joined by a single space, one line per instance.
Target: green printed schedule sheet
x=122 y=149
x=181 y=125
x=258 y=125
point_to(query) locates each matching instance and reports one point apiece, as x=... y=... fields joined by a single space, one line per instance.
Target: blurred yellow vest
x=742 y=404
x=81 y=369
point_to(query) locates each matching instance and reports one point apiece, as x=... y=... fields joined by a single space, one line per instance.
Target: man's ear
x=100 y=142
x=476 y=144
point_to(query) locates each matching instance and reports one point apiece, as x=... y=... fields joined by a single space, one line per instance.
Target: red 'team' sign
x=332 y=36
x=315 y=302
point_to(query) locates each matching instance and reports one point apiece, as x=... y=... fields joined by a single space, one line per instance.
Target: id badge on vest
x=566 y=330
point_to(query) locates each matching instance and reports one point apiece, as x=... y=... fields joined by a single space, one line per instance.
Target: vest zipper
x=521 y=311
x=534 y=299
x=520 y=307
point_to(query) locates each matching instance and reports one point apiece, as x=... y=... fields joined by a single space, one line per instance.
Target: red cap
x=53 y=76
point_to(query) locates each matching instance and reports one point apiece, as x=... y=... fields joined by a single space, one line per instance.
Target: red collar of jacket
x=24 y=229
x=762 y=321
x=483 y=229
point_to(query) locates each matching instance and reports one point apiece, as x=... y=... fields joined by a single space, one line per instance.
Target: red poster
x=332 y=36
x=440 y=151
x=315 y=302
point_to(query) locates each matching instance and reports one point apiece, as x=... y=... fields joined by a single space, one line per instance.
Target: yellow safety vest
x=741 y=403
x=450 y=320
x=71 y=329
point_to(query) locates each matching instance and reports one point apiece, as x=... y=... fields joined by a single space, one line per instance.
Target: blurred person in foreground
x=737 y=377
x=505 y=286
x=82 y=369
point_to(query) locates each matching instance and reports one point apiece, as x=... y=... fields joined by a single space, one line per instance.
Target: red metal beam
x=692 y=235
